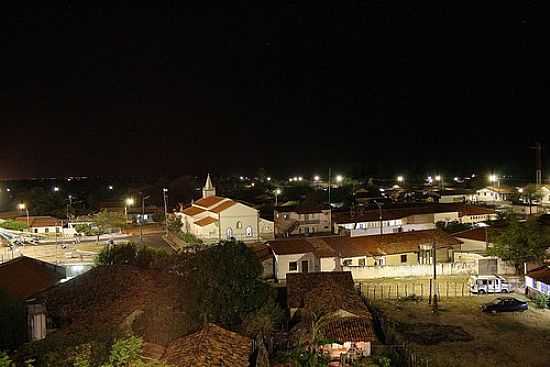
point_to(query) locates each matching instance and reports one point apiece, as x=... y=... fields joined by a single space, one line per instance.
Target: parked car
x=505 y=304
x=483 y=284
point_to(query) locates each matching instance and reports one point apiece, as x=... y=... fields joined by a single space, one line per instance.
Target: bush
x=130 y=254
x=13 y=225
x=542 y=300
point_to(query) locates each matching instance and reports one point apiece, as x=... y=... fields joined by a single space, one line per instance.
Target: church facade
x=215 y=218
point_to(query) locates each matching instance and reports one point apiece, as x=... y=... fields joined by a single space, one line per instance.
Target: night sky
x=378 y=87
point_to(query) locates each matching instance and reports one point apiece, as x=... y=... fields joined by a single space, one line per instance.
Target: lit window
x=46 y=230
x=229 y=233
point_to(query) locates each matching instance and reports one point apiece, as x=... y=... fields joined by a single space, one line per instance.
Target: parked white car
x=483 y=284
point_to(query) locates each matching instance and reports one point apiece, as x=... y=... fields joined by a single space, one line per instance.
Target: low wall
x=370 y=272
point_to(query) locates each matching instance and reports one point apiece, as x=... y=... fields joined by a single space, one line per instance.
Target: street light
x=143 y=198
x=339 y=178
x=56 y=189
x=22 y=207
x=129 y=202
x=110 y=187
x=400 y=179
x=316 y=178
x=277 y=192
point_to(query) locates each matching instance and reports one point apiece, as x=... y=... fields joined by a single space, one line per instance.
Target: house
x=212 y=345
x=405 y=219
x=134 y=213
x=43 y=224
x=454 y=196
x=474 y=240
x=537 y=281
x=299 y=220
x=334 y=253
x=24 y=276
x=491 y=194
x=84 y=303
x=214 y=218
x=545 y=195
x=343 y=322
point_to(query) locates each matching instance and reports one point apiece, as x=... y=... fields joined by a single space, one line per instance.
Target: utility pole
x=164 y=191
x=434 y=251
x=143 y=198
x=379 y=215
x=538 y=175
x=329 y=198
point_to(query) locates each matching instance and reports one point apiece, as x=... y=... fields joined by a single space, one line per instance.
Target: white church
x=214 y=218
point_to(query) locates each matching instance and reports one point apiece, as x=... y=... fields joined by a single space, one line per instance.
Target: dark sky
x=384 y=86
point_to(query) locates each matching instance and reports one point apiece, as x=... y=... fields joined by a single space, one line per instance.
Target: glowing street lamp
x=316 y=178
x=400 y=178
x=277 y=192
x=110 y=187
x=22 y=207
x=300 y=178
x=339 y=178
x=129 y=202
x=438 y=178
x=269 y=178
x=520 y=190
x=56 y=189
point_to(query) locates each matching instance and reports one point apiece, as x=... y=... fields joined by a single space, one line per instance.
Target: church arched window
x=249 y=231
x=229 y=233
x=239 y=225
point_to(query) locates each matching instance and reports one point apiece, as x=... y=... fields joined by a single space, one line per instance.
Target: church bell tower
x=208 y=189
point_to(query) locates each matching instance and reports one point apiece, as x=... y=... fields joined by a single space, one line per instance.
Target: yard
x=461 y=335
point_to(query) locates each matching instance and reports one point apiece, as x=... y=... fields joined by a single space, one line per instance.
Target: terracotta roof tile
x=23 y=277
x=210 y=346
x=541 y=274
x=299 y=284
x=192 y=211
x=224 y=205
x=41 y=221
x=209 y=202
x=205 y=221
x=476 y=234
x=349 y=329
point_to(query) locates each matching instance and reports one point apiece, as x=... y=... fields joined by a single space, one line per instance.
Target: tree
x=519 y=243
x=225 y=284
x=14 y=225
x=532 y=192
x=106 y=221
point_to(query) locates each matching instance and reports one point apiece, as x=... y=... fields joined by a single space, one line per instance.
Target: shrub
x=13 y=225
x=542 y=300
x=130 y=254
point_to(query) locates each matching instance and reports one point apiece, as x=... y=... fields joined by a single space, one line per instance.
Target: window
x=361 y=262
x=305 y=266
x=293 y=266
x=46 y=230
x=249 y=231
x=306 y=216
x=239 y=225
x=347 y=262
x=36 y=230
x=57 y=230
x=403 y=258
x=229 y=233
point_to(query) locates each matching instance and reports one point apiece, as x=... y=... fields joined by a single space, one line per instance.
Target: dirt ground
x=505 y=339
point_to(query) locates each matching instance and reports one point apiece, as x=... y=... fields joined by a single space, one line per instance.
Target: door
x=305 y=266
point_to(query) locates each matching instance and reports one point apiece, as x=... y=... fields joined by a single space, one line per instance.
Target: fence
x=421 y=289
x=400 y=352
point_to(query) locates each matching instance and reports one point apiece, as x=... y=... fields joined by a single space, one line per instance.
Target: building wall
x=394 y=260
x=330 y=264
x=392 y=229
x=307 y=223
x=536 y=286
x=373 y=272
x=282 y=264
x=267 y=229
x=247 y=217
x=49 y=230
x=446 y=217
x=452 y=199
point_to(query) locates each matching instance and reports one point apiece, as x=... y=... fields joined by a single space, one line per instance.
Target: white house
x=43 y=224
x=545 y=195
x=297 y=220
x=333 y=253
x=538 y=281
x=214 y=218
x=491 y=194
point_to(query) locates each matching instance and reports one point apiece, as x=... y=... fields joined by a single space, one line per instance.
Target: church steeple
x=208 y=189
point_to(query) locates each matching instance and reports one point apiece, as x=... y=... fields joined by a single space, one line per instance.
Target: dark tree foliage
x=12 y=322
x=131 y=254
x=226 y=285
